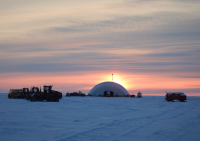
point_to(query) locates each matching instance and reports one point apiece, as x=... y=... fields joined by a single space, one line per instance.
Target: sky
x=149 y=45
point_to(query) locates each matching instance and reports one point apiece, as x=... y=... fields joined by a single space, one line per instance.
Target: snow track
x=100 y=118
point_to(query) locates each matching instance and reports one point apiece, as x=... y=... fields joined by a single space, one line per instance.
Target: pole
x=112 y=77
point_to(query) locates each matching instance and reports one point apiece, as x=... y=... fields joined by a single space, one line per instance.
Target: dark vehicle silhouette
x=15 y=93
x=51 y=95
x=36 y=94
x=171 y=96
x=48 y=94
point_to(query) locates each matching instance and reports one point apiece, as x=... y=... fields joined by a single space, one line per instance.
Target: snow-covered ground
x=100 y=118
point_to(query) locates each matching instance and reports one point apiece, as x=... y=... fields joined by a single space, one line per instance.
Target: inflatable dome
x=108 y=89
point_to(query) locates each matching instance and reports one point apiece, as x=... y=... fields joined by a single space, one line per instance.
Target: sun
x=118 y=79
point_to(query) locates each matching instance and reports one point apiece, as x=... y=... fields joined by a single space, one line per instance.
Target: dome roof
x=100 y=89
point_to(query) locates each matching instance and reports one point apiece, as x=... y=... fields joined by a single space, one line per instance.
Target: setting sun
x=120 y=79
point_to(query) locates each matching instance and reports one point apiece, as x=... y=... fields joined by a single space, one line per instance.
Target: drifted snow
x=100 y=118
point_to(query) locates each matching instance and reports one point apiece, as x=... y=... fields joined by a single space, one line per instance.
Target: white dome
x=100 y=89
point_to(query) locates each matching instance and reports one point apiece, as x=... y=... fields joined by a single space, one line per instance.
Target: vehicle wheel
x=50 y=99
x=33 y=99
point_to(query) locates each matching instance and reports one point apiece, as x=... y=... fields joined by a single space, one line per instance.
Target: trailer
x=15 y=93
x=75 y=94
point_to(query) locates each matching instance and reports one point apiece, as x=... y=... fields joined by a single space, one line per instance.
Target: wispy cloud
x=153 y=40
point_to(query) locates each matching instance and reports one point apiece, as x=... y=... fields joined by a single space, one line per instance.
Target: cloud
x=151 y=39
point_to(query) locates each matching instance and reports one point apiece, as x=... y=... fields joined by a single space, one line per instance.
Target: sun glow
x=120 y=80
x=117 y=80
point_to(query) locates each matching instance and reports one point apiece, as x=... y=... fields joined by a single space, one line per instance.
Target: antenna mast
x=112 y=77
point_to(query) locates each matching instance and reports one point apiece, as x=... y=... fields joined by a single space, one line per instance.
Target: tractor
x=22 y=93
x=25 y=92
x=35 y=94
x=51 y=95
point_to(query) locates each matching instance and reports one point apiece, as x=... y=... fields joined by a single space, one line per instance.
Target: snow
x=100 y=118
x=170 y=93
x=182 y=94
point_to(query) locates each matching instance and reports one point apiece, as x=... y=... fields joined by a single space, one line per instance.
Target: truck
x=171 y=96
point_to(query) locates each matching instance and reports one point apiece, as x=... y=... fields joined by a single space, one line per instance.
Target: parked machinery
x=15 y=93
x=132 y=95
x=51 y=95
x=48 y=94
x=171 y=96
x=59 y=94
x=35 y=94
x=23 y=93
x=26 y=93
x=75 y=94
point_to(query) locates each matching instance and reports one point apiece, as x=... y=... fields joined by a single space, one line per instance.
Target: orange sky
x=66 y=82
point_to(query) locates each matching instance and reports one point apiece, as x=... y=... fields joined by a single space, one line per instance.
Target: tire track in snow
x=118 y=129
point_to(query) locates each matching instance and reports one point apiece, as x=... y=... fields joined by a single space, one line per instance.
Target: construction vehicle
x=15 y=93
x=171 y=96
x=48 y=94
x=35 y=94
x=51 y=95
x=25 y=92
x=59 y=94
x=22 y=93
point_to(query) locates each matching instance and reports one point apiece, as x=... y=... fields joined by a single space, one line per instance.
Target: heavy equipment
x=51 y=95
x=171 y=96
x=35 y=94
x=15 y=93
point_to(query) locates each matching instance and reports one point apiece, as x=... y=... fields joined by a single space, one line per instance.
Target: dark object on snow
x=171 y=96
x=48 y=94
x=35 y=94
x=108 y=93
x=25 y=92
x=15 y=93
x=139 y=94
x=51 y=95
x=18 y=93
x=132 y=95
x=67 y=94
x=75 y=94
